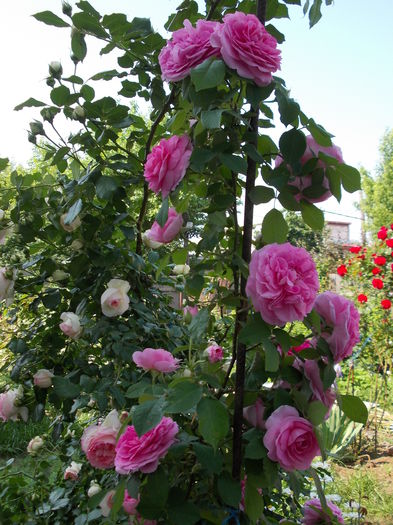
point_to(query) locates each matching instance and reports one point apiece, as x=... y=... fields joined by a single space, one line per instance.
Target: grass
x=15 y=435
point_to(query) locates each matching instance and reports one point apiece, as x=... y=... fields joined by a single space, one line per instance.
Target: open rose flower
x=253 y=414
x=303 y=183
x=383 y=233
x=245 y=45
x=167 y=164
x=214 y=353
x=169 y=231
x=188 y=47
x=156 y=359
x=315 y=515
x=115 y=301
x=282 y=283
x=362 y=298
x=377 y=283
x=290 y=439
x=9 y=405
x=134 y=453
x=74 y=225
x=72 y=472
x=71 y=325
x=386 y=304
x=342 y=318
x=43 y=378
x=98 y=442
x=342 y=270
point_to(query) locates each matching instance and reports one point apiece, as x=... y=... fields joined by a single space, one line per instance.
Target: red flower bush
x=380 y=260
x=377 y=283
x=342 y=270
x=355 y=249
x=362 y=298
x=376 y=271
x=389 y=243
x=383 y=233
x=386 y=304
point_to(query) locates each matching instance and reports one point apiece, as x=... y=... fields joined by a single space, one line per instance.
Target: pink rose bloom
x=170 y=229
x=341 y=315
x=167 y=164
x=134 y=453
x=246 y=46
x=214 y=353
x=290 y=439
x=130 y=504
x=283 y=283
x=253 y=414
x=43 y=378
x=71 y=325
x=314 y=515
x=72 y=472
x=304 y=182
x=192 y=310
x=296 y=349
x=328 y=396
x=98 y=442
x=156 y=359
x=9 y=409
x=188 y=47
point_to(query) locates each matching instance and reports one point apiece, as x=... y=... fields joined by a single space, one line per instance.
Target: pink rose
x=9 y=405
x=305 y=181
x=72 y=472
x=253 y=414
x=314 y=515
x=98 y=442
x=130 y=504
x=167 y=164
x=71 y=325
x=283 y=283
x=143 y=453
x=246 y=46
x=170 y=229
x=296 y=349
x=115 y=300
x=188 y=47
x=155 y=359
x=340 y=315
x=326 y=396
x=43 y=378
x=192 y=310
x=214 y=353
x=290 y=439
x=107 y=503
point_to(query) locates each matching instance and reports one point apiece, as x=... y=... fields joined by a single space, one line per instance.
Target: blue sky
x=340 y=71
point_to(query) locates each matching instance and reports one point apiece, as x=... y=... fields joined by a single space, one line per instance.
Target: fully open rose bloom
x=155 y=359
x=253 y=414
x=283 y=283
x=71 y=325
x=115 y=301
x=290 y=439
x=98 y=442
x=246 y=46
x=188 y=47
x=342 y=318
x=170 y=229
x=304 y=182
x=43 y=378
x=314 y=515
x=9 y=405
x=167 y=164
x=214 y=353
x=134 y=453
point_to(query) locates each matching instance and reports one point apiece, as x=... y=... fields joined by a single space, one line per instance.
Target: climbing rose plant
x=204 y=410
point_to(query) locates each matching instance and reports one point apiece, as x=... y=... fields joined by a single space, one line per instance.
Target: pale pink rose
x=149 y=242
x=214 y=353
x=282 y=283
x=72 y=472
x=115 y=301
x=155 y=359
x=305 y=181
x=107 y=503
x=314 y=515
x=296 y=349
x=43 y=378
x=9 y=405
x=94 y=489
x=70 y=326
x=342 y=319
x=188 y=47
x=6 y=285
x=192 y=310
x=246 y=46
x=167 y=164
x=34 y=445
x=130 y=504
x=326 y=396
x=290 y=439
x=253 y=414
x=170 y=229
x=134 y=453
x=75 y=224
x=98 y=442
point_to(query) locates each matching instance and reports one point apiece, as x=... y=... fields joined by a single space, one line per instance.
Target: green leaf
x=292 y=145
x=29 y=103
x=234 y=163
x=50 y=19
x=106 y=187
x=272 y=357
x=213 y=421
x=73 y=212
x=87 y=92
x=315 y=14
x=78 y=45
x=64 y=388
x=274 y=227
x=287 y=107
x=183 y=397
x=184 y=513
x=254 y=331
x=354 y=408
x=90 y=24
x=255 y=94
x=316 y=412
x=59 y=95
x=350 y=177
x=133 y=485
x=319 y=133
x=209 y=459
x=52 y=299
x=147 y=416
x=211 y=119
x=261 y=194
x=162 y=215
x=118 y=498
x=229 y=490
x=3 y=163
x=199 y=323
x=154 y=495
x=195 y=285
x=209 y=74
x=312 y=215
x=253 y=501
x=180 y=255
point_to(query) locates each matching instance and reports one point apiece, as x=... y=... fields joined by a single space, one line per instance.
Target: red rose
x=377 y=283
x=361 y=256
x=383 y=233
x=376 y=270
x=362 y=298
x=389 y=243
x=391 y=226
x=380 y=260
x=342 y=270
x=355 y=249
x=386 y=304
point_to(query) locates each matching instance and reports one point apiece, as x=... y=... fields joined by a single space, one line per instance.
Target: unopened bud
x=79 y=113
x=66 y=8
x=55 y=69
x=50 y=81
x=187 y=372
x=31 y=138
x=37 y=128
